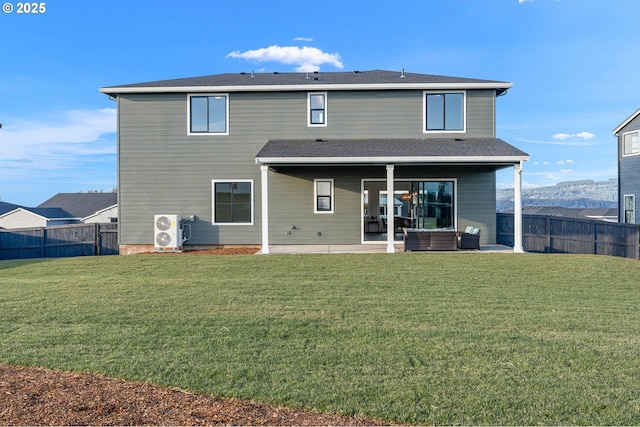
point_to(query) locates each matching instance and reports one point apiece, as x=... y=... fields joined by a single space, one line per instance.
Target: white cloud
x=525 y=1
x=59 y=142
x=566 y=170
x=580 y=135
x=303 y=39
x=306 y=58
x=562 y=162
x=585 y=135
x=558 y=141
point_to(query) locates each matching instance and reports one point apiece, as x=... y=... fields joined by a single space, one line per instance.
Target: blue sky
x=574 y=65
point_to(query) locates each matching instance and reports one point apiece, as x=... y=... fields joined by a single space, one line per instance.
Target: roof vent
x=316 y=72
x=307 y=75
x=402 y=76
x=252 y=75
x=319 y=140
x=242 y=73
x=275 y=72
x=356 y=72
x=315 y=78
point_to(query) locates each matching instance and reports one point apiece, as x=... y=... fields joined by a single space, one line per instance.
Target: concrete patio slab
x=364 y=249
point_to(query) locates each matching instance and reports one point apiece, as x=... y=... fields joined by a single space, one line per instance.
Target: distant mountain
x=569 y=194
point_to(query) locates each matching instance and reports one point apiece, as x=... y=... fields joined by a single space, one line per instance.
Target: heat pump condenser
x=167 y=234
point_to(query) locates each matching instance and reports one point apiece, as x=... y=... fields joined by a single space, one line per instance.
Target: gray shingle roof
x=81 y=205
x=446 y=148
x=374 y=77
x=51 y=213
x=570 y=212
x=7 y=207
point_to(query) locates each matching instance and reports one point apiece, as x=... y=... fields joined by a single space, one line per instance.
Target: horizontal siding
x=163 y=170
x=481 y=114
x=291 y=202
x=477 y=202
x=629 y=172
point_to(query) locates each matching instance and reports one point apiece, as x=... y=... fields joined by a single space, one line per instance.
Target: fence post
x=547 y=237
x=96 y=239
x=43 y=243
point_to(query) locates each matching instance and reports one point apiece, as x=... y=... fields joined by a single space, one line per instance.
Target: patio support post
x=391 y=235
x=517 y=208
x=264 y=190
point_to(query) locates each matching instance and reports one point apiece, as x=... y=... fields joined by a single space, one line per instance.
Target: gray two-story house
x=309 y=158
x=628 y=134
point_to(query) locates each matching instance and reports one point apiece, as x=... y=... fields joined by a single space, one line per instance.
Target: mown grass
x=425 y=338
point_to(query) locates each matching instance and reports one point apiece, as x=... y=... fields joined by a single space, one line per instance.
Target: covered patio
x=453 y=153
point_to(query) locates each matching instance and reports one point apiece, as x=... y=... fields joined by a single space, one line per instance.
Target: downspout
x=517 y=208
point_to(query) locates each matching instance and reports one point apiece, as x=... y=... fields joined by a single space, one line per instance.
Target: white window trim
x=189 y=133
x=624 y=210
x=622 y=144
x=424 y=111
x=213 y=202
x=326 y=109
x=315 y=195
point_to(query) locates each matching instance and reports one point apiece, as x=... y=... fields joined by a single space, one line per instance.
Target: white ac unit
x=167 y=232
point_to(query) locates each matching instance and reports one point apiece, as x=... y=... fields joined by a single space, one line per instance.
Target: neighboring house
x=24 y=217
x=89 y=207
x=309 y=158
x=601 y=214
x=628 y=134
x=61 y=209
x=6 y=207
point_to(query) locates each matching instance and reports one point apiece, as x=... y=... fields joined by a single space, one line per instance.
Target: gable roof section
x=627 y=121
x=7 y=207
x=45 y=213
x=379 y=151
x=356 y=80
x=81 y=205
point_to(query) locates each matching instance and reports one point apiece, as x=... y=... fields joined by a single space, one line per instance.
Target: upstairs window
x=317 y=104
x=208 y=114
x=630 y=145
x=444 y=111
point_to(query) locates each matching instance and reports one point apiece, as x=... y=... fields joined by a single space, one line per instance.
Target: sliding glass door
x=433 y=204
x=423 y=204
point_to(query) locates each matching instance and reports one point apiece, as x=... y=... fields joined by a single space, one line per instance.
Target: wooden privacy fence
x=59 y=241
x=550 y=234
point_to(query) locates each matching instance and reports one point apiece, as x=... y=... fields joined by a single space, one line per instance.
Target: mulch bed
x=37 y=396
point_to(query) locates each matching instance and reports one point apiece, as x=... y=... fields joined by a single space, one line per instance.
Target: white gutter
x=405 y=159
x=304 y=87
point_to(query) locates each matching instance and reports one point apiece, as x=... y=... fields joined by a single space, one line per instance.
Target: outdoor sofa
x=469 y=238
x=416 y=239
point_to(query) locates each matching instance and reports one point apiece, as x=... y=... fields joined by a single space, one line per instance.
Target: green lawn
x=427 y=338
